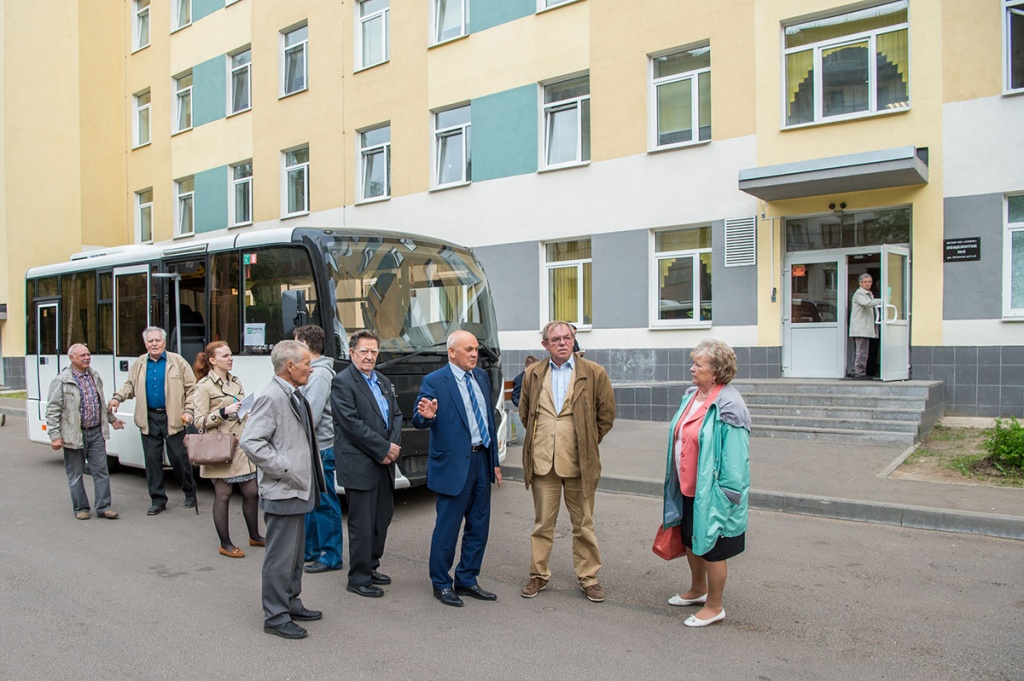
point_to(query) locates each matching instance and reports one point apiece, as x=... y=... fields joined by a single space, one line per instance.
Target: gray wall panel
x=513 y=271
x=620 y=279
x=973 y=289
x=733 y=289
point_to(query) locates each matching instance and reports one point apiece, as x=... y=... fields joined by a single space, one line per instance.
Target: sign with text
x=958 y=250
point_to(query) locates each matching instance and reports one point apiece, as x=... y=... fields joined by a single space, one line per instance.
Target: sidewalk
x=830 y=480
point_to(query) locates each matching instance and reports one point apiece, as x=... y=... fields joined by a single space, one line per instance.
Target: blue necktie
x=478 y=414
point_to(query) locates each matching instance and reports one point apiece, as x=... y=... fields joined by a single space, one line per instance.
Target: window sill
x=140 y=48
x=1013 y=320
x=1013 y=93
x=180 y=28
x=370 y=66
x=846 y=119
x=563 y=166
x=143 y=145
x=375 y=199
x=679 y=145
x=236 y=113
x=178 y=237
x=447 y=41
x=288 y=216
x=451 y=185
x=680 y=327
x=285 y=95
x=554 y=7
x=179 y=132
x=240 y=225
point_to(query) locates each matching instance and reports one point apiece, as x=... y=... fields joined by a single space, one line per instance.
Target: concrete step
x=834 y=435
x=845 y=400
x=838 y=424
x=862 y=388
x=864 y=414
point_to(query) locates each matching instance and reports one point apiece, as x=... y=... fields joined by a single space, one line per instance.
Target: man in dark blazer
x=367 y=430
x=455 y=404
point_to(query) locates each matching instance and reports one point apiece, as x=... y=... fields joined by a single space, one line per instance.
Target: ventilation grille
x=741 y=242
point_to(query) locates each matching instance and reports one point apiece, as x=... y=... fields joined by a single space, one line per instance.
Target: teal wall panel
x=484 y=14
x=209 y=91
x=211 y=199
x=200 y=8
x=505 y=133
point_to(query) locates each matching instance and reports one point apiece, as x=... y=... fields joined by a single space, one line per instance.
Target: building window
x=182 y=14
x=375 y=163
x=1013 y=258
x=451 y=19
x=567 y=122
x=545 y=4
x=1014 y=45
x=184 y=220
x=372 y=33
x=183 y=102
x=144 y=216
x=848 y=65
x=681 y=289
x=681 y=88
x=293 y=60
x=296 y=181
x=141 y=119
x=569 y=275
x=240 y=202
x=452 y=146
x=240 y=97
x=140 y=28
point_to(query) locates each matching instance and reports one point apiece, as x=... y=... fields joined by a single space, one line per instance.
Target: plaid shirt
x=91 y=410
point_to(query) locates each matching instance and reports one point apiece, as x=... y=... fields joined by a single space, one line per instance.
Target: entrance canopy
x=898 y=167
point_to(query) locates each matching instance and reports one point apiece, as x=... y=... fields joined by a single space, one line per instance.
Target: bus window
x=132 y=313
x=105 y=315
x=78 y=295
x=267 y=273
x=224 y=282
x=46 y=287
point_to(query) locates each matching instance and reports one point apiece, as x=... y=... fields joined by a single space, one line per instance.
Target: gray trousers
x=282 y=566
x=94 y=451
x=860 y=357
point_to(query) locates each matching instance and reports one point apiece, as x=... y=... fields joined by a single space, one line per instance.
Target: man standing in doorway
x=567 y=407
x=862 y=325
x=161 y=383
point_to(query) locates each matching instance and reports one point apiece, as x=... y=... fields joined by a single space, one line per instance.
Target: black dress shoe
x=476 y=592
x=317 y=567
x=190 y=502
x=448 y=597
x=286 y=630
x=379 y=578
x=368 y=591
x=306 y=615
x=156 y=509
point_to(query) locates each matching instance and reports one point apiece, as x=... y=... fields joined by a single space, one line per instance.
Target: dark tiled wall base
x=14 y=372
x=980 y=381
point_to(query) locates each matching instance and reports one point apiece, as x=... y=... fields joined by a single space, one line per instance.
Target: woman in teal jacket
x=707 y=478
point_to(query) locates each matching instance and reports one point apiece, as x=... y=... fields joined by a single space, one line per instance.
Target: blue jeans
x=323 y=524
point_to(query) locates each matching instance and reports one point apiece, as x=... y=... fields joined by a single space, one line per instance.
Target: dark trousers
x=282 y=566
x=153 y=450
x=369 y=516
x=472 y=505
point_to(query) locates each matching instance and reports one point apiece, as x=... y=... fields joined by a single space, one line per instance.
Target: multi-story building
x=654 y=171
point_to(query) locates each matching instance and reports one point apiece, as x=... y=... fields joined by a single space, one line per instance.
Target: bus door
x=186 y=314
x=47 y=352
x=131 y=316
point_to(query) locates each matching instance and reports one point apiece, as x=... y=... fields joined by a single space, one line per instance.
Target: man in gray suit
x=280 y=439
x=368 y=428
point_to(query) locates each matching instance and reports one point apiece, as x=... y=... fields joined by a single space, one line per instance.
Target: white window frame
x=1011 y=228
x=559 y=106
x=181 y=94
x=140 y=111
x=655 y=290
x=143 y=208
x=300 y=46
x=1010 y=8
x=440 y=134
x=547 y=313
x=544 y=5
x=179 y=22
x=139 y=20
x=183 y=199
x=361 y=21
x=365 y=152
x=462 y=6
x=652 y=106
x=850 y=38
x=286 y=172
x=237 y=71
x=233 y=185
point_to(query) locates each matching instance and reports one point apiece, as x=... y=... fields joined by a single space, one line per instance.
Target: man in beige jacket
x=161 y=383
x=567 y=407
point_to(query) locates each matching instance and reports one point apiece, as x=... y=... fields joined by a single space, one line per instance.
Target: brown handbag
x=668 y=544
x=210 y=449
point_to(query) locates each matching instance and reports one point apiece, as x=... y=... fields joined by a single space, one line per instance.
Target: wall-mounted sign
x=957 y=250
x=799 y=270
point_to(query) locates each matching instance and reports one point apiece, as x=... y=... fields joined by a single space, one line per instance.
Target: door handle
x=895 y=314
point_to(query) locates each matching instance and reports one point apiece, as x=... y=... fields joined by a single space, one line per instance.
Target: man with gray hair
x=76 y=421
x=161 y=383
x=280 y=438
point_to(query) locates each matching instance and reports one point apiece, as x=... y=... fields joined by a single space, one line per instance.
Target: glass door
x=47 y=350
x=813 y=342
x=894 y=314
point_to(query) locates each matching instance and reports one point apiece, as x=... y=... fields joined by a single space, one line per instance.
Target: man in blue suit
x=455 y=404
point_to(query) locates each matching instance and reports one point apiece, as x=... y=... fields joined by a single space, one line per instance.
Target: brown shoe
x=594 y=592
x=534 y=587
x=83 y=515
x=108 y=514
x=233 y=552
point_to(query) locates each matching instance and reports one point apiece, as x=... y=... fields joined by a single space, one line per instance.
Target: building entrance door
x=813 y=336
x=894 y=314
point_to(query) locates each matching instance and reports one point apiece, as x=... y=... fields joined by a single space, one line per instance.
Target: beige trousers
x=547 y=496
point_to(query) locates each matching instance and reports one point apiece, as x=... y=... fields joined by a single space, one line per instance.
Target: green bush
x=1006 y=446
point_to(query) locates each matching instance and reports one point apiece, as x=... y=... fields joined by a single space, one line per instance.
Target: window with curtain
x=296 y=181
x=567 y=122
x=182 y=13
x=372 y=33
x=241 y=88
x=451 y=19
x=293 y=60
x=183 y=102
x=1013 y=258
x=847 y=65
x=141 y=127
x=452 y=147
x=681 y=88
x=1014 y=48
x=682 y=272
x=568 y=265
x=375 y=163
x=140 y=26
x=144 y=216
x=241 y=193
x=184 y=222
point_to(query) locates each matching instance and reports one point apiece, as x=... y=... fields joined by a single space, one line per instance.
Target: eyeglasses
x=560 y=339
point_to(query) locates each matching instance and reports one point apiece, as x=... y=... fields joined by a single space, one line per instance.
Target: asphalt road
x=149 y=598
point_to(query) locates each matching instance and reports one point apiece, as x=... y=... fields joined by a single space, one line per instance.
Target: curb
x=12 y=410
x=915 y=517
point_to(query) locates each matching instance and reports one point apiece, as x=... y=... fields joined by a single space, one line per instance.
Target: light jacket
x=317 y=392
x=64 y=409
x=210 y=396
x=723 y=471
x=593 y=414
x=862 y=316
x=179 y=382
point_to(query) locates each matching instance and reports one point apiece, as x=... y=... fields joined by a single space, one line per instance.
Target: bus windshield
x=411 y=292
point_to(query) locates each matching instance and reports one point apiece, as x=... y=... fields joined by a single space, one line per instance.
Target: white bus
x=252 y=289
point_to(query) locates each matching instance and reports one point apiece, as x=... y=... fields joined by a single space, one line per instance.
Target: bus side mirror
x=293 y=312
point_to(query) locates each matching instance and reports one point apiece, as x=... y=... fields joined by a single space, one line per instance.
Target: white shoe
x=692 y=620
x=679 y=600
